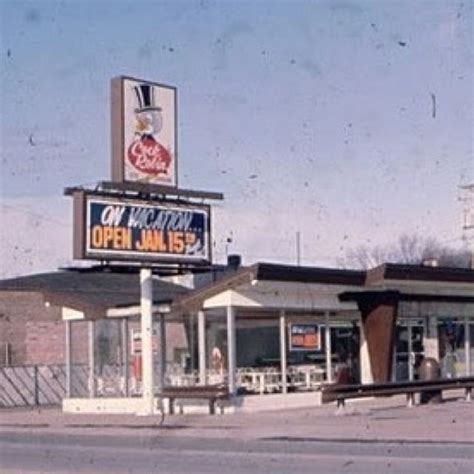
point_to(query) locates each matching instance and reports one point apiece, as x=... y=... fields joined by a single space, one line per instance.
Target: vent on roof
x=234 y=261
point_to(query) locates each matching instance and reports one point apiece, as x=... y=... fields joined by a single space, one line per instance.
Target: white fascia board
x=230 y=298
x=426 y=287
x=267 y=294
x=135 y=311
x=439 y=309
x=69 y=314
x=314 y=296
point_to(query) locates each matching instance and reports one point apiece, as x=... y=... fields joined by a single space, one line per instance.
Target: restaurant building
x=272 y=333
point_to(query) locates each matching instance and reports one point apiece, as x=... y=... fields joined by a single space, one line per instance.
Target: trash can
x=430 y=370
x=343 y=375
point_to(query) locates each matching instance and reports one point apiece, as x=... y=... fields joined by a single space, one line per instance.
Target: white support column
x=125 y=357
x=327 y=340
x=430 y=342
x=91 y=358
x=162 y=350
x=202 y=347
x=410 y=350
x=192 y=342
x=212 y=344
x=283 y=362
x=365 y=367
x=231 y=349
x=68 y=354
x=467 y=344
x=146 y=326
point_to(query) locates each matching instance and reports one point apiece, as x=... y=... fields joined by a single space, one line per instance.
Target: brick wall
x=45 y=342
x=35 y=332
x=20 y=311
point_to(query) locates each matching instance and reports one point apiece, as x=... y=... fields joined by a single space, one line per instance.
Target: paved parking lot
x=382 y=436
x=381 y=419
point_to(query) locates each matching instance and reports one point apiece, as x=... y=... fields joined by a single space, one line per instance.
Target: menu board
x=305 y=337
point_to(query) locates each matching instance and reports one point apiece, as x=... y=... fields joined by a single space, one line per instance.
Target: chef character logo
x=146 y=153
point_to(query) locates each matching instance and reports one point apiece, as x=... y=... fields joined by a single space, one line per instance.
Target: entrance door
x=345 y=344
x=409 y=350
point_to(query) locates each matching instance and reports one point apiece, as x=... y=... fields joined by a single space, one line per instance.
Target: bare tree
x=408 y=249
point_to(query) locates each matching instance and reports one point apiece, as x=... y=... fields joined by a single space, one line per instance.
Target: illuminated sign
x=143 y=132
x=305 y=337
x=135 y=230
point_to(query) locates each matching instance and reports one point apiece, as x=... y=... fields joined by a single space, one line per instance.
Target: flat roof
x=101 y=289
x=92 y=290
x=359 y=279
x=395 y=271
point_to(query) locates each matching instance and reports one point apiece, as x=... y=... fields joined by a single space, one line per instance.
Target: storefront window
x=108 y=358
x=471 y=349
x=452 y=347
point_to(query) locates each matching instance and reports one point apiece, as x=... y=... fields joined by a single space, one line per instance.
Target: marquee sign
x=109 y=228
x=143 y=132
x=305 y=337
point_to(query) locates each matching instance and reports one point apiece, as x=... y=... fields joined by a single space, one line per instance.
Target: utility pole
x=298 y=248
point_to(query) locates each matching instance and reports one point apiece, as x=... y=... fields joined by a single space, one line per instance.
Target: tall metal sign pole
x=146 y=326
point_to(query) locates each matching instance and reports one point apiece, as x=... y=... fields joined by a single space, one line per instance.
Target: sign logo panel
x=145 y=117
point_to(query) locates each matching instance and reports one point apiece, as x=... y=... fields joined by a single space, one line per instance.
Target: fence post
x=68 y=354
x=36 y=388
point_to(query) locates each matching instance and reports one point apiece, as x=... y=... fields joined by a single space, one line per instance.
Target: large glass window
x=108 y=358
x=452 y=347
x=471 y=354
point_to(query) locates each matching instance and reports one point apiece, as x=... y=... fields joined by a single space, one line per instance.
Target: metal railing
x=37 y=385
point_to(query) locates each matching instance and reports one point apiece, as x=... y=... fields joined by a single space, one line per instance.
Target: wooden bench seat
x=211 y=393
x=340 y=393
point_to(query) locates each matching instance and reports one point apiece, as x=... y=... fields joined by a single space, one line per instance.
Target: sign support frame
x=146 y=328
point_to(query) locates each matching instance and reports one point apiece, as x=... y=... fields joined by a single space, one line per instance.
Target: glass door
x=409 y=350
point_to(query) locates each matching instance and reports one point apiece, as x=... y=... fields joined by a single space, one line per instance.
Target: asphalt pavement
x=371 y=435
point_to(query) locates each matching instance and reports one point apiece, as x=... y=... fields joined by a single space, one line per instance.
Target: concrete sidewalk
x=368 y=420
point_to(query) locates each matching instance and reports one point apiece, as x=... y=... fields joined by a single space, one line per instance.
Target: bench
x=211 y=393
x=341 y=393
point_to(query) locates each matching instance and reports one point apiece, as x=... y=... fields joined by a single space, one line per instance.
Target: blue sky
x=310 y=116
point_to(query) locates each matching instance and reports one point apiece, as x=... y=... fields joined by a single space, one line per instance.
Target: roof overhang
x=275 y=287
x=131 y=311
x=398 y=296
